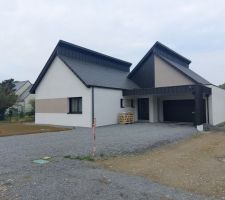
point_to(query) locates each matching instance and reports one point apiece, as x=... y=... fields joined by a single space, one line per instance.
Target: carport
x=187 y=103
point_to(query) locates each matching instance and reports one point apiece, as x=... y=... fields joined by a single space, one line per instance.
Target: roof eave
x=171 y=50
x=43 y=71
x=148 y=54
x=95 y=53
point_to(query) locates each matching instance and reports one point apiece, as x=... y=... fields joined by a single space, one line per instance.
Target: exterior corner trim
x=93 y=103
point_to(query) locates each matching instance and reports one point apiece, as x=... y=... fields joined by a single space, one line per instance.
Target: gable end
x=167 y=75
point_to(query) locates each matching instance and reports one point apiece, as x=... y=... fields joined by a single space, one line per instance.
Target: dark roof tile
x=99 y=75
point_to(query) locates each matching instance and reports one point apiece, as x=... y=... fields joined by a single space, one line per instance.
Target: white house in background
x=22 y=90
x=77 y=85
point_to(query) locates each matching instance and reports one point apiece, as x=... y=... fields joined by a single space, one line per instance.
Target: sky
x=125 y=29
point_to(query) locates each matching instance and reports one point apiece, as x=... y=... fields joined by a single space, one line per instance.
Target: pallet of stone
x=126 y=118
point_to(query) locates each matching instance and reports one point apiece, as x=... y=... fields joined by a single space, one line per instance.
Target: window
x=126 y=103
x=75 y=105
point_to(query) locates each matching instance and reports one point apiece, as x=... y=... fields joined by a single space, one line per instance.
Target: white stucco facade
x=60 y=82
x=90 y=78
x=216 y=105
x=166 y=76
x=107 y=106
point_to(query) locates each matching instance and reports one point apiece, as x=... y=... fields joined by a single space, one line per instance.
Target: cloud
x=124 y=29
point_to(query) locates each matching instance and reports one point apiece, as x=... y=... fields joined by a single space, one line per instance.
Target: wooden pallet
x=126 y=118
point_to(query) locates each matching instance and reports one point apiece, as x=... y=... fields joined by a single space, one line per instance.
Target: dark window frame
x=79 y=110
x=122 y=103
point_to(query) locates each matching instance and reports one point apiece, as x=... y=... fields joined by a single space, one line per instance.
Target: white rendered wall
x=60 y=82
x=153 y=106
x=166 y=75
x=107 y=106
x=216 y=105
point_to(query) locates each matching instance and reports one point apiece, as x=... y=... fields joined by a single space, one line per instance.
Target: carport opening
x=181 y=111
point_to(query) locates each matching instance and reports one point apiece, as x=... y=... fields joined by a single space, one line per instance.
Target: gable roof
x=19 y=84
x=174 y=59
x=187 y=72
x=160 y=49
x=91 y=67
x=25 y=94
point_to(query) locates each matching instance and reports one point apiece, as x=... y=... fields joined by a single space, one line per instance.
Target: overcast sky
x=126 y=29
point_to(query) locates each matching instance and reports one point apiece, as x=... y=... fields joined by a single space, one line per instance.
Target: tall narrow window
x=75 y=105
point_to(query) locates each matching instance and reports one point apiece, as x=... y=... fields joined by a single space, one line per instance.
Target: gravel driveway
x=72 y=179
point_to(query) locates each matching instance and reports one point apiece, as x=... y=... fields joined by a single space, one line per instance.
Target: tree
x=7 y=96
x=222 y=86
x=32 y=104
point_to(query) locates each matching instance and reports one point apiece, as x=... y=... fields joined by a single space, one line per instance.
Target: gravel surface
x=71 y=179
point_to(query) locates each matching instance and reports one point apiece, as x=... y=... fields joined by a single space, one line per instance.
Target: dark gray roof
x=25 y=93
x=186 y=71
x=93 y=74
x=100 y=70
x=91 y=67
x=19 y=84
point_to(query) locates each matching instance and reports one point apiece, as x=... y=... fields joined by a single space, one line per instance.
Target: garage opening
x=180 y=111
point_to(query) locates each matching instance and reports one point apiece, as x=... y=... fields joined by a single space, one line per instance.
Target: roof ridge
x=28 y=89
x=152 y=50
x=24 y=82
x=92 y=52
x=171 y=50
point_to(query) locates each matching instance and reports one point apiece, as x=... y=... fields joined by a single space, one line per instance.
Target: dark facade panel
x=160 y=49
x=90 y=58
x=69 y=49
x=173 y=90
x=145 y=75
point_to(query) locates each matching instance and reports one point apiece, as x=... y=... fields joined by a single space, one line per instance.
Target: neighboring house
x=22 y=90
x=77 y=85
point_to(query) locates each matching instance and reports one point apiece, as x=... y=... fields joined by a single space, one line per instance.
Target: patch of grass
x=86 y=157
x=8 y=129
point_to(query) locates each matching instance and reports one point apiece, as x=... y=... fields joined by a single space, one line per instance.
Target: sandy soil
x=8 y=129
x=195 y=165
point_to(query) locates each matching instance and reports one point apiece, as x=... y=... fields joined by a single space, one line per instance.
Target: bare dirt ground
x=9 y=129
x=196 y=165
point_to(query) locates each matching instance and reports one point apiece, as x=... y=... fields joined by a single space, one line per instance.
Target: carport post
x=198 y=105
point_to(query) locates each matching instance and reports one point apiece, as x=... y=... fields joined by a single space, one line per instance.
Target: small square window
x=75 y=105
x=126 y=103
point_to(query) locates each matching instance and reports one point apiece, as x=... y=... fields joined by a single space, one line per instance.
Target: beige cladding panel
x=166 y=75
x=58 y=105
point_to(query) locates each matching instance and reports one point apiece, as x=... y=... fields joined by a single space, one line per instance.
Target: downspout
x=207 y=105
x=92 y=104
